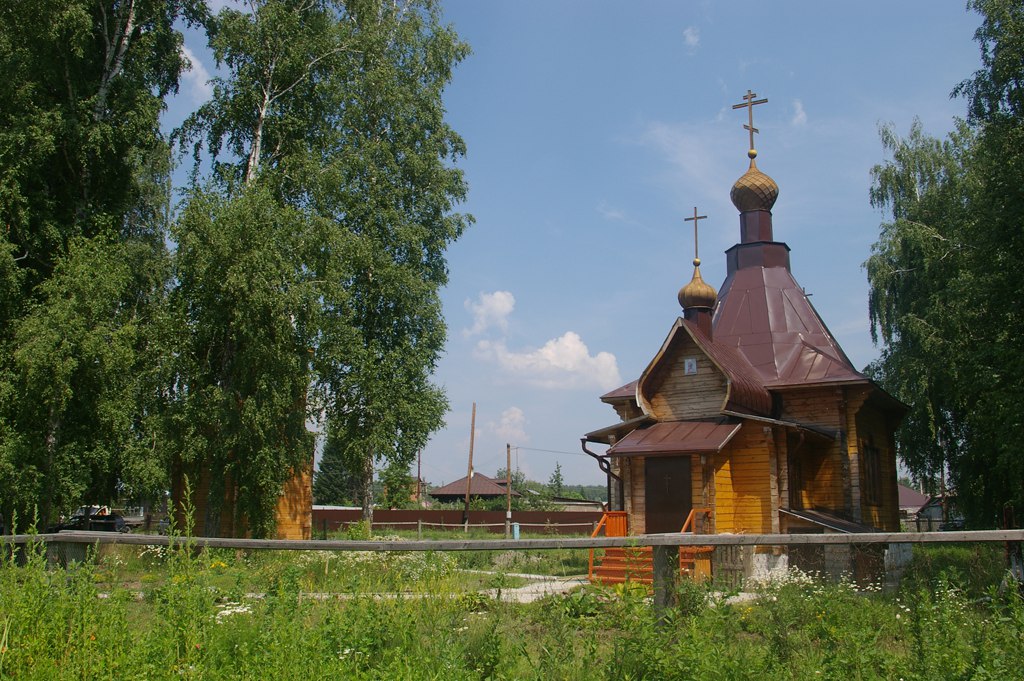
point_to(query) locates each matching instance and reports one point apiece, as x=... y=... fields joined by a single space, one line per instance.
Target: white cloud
x=563 y=362
x=512 y=426
x=196 y=80
x=490 y=310
x=695 y=161
x=612 y=214
x=691 y=36
x=799 y=115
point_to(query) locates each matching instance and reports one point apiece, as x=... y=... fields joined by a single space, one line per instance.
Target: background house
x=480 y=487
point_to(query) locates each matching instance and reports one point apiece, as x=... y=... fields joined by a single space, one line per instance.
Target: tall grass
x=183 y=613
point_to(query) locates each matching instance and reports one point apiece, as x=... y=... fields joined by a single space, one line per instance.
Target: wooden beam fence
x=671 y=539
x=665 y=546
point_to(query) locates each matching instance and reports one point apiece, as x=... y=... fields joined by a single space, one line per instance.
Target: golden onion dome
x=754 y=190
x=698 y=293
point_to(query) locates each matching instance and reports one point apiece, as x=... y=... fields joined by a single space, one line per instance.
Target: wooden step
x=636 y=564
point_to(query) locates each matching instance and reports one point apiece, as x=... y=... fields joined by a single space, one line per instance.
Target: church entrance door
x=668 y=492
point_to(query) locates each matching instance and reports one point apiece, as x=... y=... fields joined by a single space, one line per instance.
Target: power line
x=549 y=451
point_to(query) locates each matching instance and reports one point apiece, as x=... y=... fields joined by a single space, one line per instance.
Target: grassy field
x=156 y=614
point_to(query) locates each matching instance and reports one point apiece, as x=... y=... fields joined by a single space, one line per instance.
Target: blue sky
x=593 y=128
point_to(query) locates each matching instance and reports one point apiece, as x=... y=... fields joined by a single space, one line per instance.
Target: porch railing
x=614 y=524
x=695 y=561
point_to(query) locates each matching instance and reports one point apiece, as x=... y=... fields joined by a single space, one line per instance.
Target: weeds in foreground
x=193 y=622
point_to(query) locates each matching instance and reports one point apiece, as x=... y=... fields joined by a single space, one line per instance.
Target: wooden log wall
x=676 y=396
x=872 y=427
x=821 y=475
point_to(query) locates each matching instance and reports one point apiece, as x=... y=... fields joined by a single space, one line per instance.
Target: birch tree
x=330 y=112
x=81 y=249
x=947 y=299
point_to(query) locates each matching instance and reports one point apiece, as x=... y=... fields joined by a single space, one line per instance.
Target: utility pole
x=469 y=473
x=508 y=490
x=419 y=478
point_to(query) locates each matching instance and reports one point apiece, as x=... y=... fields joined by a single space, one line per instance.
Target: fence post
x=62 y=554
x=419 y=528
x=666 y=570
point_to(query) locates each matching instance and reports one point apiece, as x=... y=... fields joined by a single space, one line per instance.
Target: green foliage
x=918 y=289
x=330 y=113
x=193 y=622
x=83 y=197
x=555 y=482
x=245 y=311
x=996 y=90
x=84 y=367
x=339 y=478
x=972 y=569
x=945 y=296
x=398 y=486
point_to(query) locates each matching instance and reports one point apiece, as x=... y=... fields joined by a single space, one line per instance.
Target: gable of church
x=682 y=383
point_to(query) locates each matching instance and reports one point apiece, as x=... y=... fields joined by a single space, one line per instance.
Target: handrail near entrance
x=692 y=517
x=688 y=556
x=615 y=524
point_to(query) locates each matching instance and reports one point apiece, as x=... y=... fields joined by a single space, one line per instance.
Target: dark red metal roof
x=746 y=392
x=624 y=392
x=911 y=498
x=767 y=318
x=481 y=486
x=676 y=437
x=617 y=430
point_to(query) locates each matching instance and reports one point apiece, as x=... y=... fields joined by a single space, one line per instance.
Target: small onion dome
x=697 y=293
x=754 y=190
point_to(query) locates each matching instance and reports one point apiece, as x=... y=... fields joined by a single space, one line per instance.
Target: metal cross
x=695 y=219
x=749 y=104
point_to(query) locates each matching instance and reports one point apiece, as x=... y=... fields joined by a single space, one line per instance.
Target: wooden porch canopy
x=675 y=437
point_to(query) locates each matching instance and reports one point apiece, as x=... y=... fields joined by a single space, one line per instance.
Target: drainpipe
x=602 y=462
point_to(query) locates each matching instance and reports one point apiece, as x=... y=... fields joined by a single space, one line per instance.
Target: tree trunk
x=367 y=494
x=116 y=46
x=53 y=424
x=253 y=162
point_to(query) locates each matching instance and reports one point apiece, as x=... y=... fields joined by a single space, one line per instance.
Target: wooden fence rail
x=655 y=540
x=665 y=551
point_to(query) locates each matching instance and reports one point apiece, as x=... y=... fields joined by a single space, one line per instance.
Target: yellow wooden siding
x=294 y=512
x=743 y=483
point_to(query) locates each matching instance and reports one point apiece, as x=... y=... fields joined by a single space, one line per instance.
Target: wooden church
x=750 y=415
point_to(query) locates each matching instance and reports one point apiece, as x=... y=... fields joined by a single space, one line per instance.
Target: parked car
x=112 y=522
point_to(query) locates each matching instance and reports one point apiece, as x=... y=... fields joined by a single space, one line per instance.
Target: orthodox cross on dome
x=695 y=219
x=749 y=103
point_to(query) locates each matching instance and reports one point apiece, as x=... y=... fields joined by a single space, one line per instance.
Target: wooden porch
x=616 y=565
